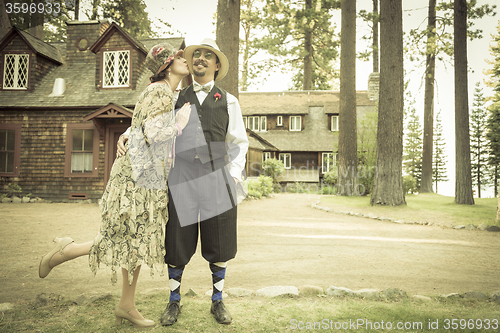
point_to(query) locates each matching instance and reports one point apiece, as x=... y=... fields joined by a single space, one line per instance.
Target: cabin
x=64 y=105
x=300 y=128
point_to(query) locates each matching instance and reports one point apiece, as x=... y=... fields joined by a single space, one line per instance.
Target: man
x=202 y=189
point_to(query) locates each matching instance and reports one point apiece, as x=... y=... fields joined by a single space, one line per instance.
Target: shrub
x=262 y=186
x=409 y=184
x=296 y=188
x=12 y=190
x=327 y=190
x=273 y=168
x=330 y=177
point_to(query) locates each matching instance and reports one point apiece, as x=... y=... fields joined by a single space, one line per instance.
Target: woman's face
x=179 y=66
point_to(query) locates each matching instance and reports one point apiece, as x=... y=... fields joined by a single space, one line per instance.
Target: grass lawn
x=422 y=208
x=254 y=314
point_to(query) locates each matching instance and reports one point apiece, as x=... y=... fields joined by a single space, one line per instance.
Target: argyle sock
x=218 y=273
x=175 y=277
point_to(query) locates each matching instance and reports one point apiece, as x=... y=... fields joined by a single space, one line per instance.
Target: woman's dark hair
x=160 y=76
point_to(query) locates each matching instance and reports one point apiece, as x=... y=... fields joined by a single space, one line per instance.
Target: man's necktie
x=198 y=87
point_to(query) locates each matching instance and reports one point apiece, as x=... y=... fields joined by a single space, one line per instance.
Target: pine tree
x=493 y=132
x=301 y=35
x=478 y=144
x=493 y=136
x=412 y=152
x=438 y=156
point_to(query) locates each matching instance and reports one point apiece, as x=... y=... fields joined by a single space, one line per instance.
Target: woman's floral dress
x=134 y=204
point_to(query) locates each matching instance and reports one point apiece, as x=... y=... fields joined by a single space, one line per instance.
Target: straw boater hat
x=209 y=44
x=160 y=56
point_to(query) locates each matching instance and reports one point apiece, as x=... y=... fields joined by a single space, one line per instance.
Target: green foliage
x=297 y=187
x=327 y=190
x=285 y=24
x=12 y=190
x=331 y=177
x=478 y=144
x=438 y=156
x=412 y=150
x=439 y=41
x=273 y=168
x=493 y=124
x=129 y=14
x=409 y=184
x=262 y=186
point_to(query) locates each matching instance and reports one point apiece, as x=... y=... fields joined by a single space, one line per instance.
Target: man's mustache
x=200 y=62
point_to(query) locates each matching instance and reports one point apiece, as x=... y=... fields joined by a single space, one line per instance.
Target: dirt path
x=282 y=241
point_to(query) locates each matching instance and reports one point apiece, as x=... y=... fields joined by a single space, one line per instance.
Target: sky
x=194 y=20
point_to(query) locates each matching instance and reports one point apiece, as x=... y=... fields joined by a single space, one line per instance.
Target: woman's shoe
x=121 y=314
x=44 y=268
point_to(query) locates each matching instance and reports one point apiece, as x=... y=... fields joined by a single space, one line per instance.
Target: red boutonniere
x=217 y=96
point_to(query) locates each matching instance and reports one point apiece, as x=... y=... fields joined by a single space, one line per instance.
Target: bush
x=273 y=168
x=330 y=177
x=327 y=190
x=409 y=184
x=296 y=188
x=12 y=190
x=262 y=186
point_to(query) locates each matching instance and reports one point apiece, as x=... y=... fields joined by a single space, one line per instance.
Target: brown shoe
x=169 y=316
x=220 y=313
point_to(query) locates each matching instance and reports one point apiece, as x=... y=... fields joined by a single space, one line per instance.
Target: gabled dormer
x=119 y=60
x=25 y=59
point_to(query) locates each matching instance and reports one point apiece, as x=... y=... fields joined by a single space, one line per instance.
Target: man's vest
x=204 y=137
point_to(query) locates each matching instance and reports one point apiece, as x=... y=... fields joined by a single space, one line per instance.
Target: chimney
x=81 y=36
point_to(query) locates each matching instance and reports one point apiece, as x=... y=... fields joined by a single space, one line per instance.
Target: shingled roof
x=37 y=45
x=80 y=85
x=314 y=105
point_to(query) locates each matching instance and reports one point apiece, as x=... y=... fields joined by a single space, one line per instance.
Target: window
x=116 y=69
x=263 y=123
x=15 y=71
x=295 y=123
x=10 y=149
x=286 y=158
x=253 y=123
x=279 y=121
x=82 y=150
x=245 y=122
x=328 y=162
x=266 y=156
x=335 y=123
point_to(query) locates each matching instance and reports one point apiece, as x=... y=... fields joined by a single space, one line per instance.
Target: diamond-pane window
x=15 y=73
x=116 y=69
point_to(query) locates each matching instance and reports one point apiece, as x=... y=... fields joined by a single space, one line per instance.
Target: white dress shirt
x=236 y=132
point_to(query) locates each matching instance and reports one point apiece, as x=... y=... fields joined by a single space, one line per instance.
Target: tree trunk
x=5 y=25
x=244 y=71
x=463 y=179
x=348 y=147
x=388 y=189
x=308 y=49
x=426 y=181
x=498 y=209
x=228 y=40
x=36 y=24
x=375 y=37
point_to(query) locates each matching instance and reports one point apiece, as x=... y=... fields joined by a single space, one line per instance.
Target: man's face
x=205 y=63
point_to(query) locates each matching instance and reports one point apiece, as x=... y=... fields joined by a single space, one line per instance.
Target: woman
x=134 y=212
